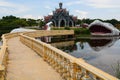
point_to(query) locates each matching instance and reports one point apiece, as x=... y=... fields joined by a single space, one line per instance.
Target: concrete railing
x=4 y=53
x=3 y=56
x=41 y=33
x=69 y=67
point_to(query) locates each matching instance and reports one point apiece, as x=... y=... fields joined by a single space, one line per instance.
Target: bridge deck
x=25 y=64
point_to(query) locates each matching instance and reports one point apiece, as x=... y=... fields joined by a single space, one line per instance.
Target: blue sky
x=103 y=9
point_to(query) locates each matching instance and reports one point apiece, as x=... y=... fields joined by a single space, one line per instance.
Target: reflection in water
x=65 y=43
x=46 y=39
x=100 y=52
x=98 y=44
x=66 y=46
x=79 y=45
x=0 y=43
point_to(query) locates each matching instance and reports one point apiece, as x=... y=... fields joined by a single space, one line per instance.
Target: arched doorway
x=62 y=23
x=54 y=24
x=70 y=24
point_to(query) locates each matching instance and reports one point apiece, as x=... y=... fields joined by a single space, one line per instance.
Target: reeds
x=116 y=69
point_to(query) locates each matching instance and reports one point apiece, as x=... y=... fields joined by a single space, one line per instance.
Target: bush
x=57 y=28
x=81 y=31
x=67 y=28
x=4 y=31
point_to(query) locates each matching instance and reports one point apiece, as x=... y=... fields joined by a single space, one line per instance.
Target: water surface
x=0 y=43
x=104 y=53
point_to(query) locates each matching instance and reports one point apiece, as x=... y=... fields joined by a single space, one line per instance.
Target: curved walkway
x=25 y=64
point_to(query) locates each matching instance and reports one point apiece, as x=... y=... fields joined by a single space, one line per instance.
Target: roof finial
x=60 y=5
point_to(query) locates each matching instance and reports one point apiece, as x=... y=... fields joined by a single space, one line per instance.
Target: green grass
x=116 y=69
x=81 y=31
x=56 y=28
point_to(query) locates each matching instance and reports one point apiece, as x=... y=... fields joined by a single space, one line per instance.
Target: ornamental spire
x=60 y=5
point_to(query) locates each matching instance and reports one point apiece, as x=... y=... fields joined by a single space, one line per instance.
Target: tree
x=113 y=21
x=20 y=23
x=41 y=23
x=79 y=22
x=31 y=22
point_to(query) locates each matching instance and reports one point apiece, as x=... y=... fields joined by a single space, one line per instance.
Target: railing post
x=86 y=75
x=96 y=78
x=74 y=71
x=2 y=72
x=32 y=44
x=5 y=62
x=44 y=53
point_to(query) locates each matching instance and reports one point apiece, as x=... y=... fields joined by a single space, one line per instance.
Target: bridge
x=22 y=57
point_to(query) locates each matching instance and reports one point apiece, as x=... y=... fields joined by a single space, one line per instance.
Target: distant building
x=61 y=18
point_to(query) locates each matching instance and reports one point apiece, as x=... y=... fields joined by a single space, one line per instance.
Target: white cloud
x=73 y=3
x=48 y=7
x=104 y=3
x=29 y=16
x=6 y=4
x=81 y=14
x=12 y=8
x=40 y=17
x=32 y=16
x=50 y=13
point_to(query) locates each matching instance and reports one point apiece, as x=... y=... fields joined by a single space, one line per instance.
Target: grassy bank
x=56 y=28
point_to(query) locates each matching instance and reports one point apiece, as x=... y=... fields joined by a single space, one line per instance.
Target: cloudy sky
x=103 y=9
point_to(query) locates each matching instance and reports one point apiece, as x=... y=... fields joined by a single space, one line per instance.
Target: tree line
x=88 y=21
x=7 y=23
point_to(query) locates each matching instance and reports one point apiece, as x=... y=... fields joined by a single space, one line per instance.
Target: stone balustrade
x=41 y=33
x=3 y=58
x=4 y=53
x=69 y=67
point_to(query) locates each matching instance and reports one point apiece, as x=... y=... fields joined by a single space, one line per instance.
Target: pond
x=0 y=43
x=101 y=52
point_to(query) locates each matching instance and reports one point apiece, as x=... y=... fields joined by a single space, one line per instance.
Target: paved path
x=25 y=64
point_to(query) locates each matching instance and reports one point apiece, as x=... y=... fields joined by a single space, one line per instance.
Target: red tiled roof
x=74 y=18
x=48 y=17
x=59 y=10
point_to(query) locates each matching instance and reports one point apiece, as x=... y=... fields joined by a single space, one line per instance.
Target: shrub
x=57 y=28
x=67 y=28
x=81 y=31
